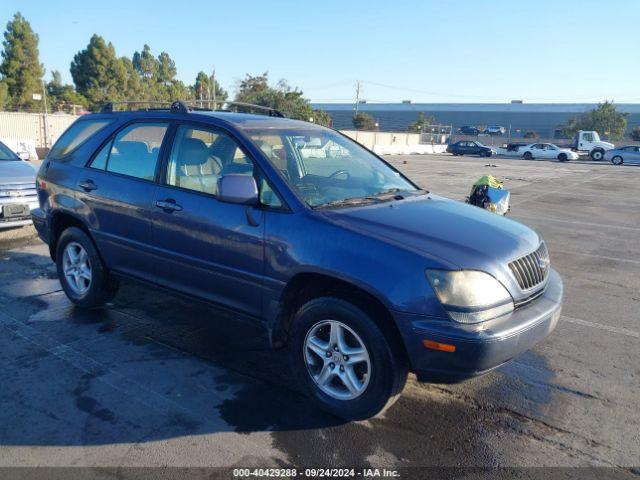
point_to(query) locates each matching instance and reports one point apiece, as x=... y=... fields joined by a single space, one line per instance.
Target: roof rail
x=199 y=105
x=158 y=105
x=186 y=106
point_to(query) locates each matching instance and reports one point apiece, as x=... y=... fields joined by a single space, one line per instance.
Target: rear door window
x=75 y=136
x=134 y=151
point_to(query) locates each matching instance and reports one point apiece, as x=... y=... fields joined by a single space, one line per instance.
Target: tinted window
x=100 y=160
x=135 y=150
x=199 y=158
x=75 y=135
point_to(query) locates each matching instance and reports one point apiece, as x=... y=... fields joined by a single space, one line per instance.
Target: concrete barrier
x=394 y=143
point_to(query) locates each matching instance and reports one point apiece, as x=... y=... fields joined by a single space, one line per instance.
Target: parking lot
x=157 y=380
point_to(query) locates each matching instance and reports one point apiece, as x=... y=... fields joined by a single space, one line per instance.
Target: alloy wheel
x=337 y=360
x=77 y=268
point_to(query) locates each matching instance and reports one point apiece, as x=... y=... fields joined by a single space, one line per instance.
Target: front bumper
x=481 y=347
x=40 y=223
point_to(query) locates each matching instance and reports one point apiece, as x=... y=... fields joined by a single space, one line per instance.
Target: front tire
x=617 y=160
x=81 y=272
x=528 y=156
x=343 y=360
x=563 y=157
x=597 y=154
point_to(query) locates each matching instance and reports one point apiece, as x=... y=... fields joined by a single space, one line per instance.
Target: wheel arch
x=305 y=286
x=59 y=222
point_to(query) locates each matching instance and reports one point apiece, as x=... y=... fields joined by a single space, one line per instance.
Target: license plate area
x=17 y=210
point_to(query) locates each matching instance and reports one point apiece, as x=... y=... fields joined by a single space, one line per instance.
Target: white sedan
x=547 y=150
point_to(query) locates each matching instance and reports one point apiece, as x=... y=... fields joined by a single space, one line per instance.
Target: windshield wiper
x=379 y=197
x=348 y=202
x=396 y=193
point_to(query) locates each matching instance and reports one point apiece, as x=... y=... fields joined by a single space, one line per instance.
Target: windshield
x=328 y=169
x=7 y=154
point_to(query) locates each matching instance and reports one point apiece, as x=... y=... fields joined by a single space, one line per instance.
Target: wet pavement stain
x=88 y=404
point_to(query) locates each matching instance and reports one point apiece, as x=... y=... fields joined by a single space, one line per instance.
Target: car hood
x=14 y=171
x=453 y=234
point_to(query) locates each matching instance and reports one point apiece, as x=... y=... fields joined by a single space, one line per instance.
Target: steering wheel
x=340 y=172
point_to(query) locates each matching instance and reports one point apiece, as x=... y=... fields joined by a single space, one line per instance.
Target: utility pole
x=357 y=97
x=46 y=116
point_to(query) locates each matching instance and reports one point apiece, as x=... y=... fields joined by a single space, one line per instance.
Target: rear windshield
x=75 y=136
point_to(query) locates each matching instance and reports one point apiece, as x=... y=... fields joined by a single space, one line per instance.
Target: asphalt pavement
x=155 y=380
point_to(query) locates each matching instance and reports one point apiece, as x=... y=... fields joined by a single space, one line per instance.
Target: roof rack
x=186 y=106
x=155 y=105
x=224 y=106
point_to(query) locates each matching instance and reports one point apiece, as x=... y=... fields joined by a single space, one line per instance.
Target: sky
x=425 y=51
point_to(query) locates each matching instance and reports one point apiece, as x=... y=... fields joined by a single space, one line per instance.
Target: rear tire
x=617 y=160
x=597 y=154
x=528 y=156
x=83 y=277
x=319 y=363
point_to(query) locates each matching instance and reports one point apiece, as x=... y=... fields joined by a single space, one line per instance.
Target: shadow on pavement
x=151 y=366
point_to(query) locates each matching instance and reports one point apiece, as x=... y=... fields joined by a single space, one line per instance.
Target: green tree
x=416 y=127
x=132 y=83
x=4 y=94
x=203 y=88
x=99 y=74
x=61 y=96
x=604 y=119
x=364 y=121
x=635 y=134
x=145 y=63
x=531 y=134
x=20 y=68
x=289 y=101
x=166 y=69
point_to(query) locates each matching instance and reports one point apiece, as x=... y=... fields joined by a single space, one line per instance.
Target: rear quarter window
x=75 y=136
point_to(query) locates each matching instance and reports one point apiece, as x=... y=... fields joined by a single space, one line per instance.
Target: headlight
x=470 y=296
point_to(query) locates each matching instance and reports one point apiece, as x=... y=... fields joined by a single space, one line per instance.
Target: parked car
x=359 y=272
x=547 y=150
x=515 y=146
x=17 y=189
x=620 y=155
x=469 y=147
x=468 y=130
x=495 y=130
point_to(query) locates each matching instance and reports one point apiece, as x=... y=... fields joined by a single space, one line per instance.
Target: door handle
x=87 y=185
x=168 y=205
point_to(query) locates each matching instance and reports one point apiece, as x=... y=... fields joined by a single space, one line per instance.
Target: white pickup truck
x=588 y=142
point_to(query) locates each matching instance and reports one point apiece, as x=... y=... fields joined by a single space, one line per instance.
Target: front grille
x=532 y=269
x=18 y=190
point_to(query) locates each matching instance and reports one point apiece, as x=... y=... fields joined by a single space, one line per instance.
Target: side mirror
x=238 y=188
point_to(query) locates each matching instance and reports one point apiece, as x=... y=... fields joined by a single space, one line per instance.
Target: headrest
x=223 y=147
x=133 y=149
x=193 y=151
x=246 y=168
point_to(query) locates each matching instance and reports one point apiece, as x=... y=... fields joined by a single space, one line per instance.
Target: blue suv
x=360 y=273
